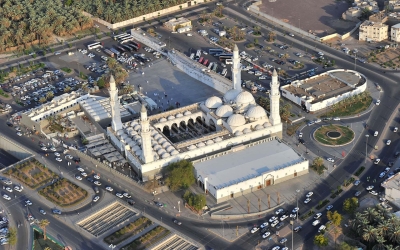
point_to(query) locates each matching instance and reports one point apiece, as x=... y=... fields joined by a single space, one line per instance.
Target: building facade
x=373 y=31
x=395 y=33
x=177 y=23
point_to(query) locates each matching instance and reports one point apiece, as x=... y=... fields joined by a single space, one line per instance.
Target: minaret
x=147 y=150
x=114 y=103
x=236 y=70
x=274 y=96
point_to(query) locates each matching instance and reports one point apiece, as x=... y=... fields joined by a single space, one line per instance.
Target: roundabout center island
x=334 y=135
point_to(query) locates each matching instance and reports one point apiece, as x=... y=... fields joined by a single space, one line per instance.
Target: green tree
x=101 y=83
x=180 y=175
x=12 y=236
x=335 y=217
x=255 y=41
x=49 y=95
x=320 y=240
x=43 y=224
x=42 y=99
x=366 y=13
x=350 y=205
x=346 y=246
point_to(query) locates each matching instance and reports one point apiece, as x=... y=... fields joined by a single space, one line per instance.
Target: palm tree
x=370 y=213
x=271 y=36
x=42 y=99
x=395 y=234
x=384 y=228
x=369 y=234
x=67 y=89
x=285 y=56
x=256 y=30
x=381 y=243
x=43 y=224
x=49 y=95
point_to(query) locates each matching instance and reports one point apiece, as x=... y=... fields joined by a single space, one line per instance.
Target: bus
x=205 y=62
x=116 y=37
x=214 y=52
x=215 y=67
x=122 y=37
x=108 y=52
x=129 y=48
x=223 y=57
x=115 y=51
x=94 y=45
x=137 y=45
x=201 y=59
x=126 y=39
x=228 y=61
x=122 y=50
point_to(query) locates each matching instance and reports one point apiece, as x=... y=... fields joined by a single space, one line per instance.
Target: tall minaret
x=147 y=150
x=114 y=103
x=236 y=70
x=274 y=97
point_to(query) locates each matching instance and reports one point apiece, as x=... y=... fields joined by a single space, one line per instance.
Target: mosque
x=212 y=134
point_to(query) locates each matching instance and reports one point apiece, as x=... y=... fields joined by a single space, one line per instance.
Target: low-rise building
x=177 y=23
x=395 y=33
x=352 y=14
x=326 y=89
x=392 y=189
x=373 y=31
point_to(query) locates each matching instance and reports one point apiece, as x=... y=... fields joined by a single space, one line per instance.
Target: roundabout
x=334 y=135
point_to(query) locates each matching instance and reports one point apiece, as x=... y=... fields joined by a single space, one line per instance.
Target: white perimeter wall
x=327 y=102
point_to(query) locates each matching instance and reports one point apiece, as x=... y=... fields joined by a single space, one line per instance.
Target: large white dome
x=256 y=112
x=236 y=120
x=224 y=111
x=244 y=98
x=231 y=95
x=213 y=102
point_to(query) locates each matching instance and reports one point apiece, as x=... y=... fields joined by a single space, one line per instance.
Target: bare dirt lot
x=321 y=17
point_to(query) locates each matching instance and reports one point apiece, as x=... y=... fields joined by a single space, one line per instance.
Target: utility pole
x=269 y=201
x=248 y=206
x=259 y=205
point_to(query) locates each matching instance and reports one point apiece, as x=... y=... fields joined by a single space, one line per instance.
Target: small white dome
x=153 y=133
x=161 y=140
x=128 y=140
x=244 y=98
x=135 y=148
x=138 y=153
x=132 y=144
x=137 y=127
x=231 y=95
x=157 y=147
x=163 y=120
x=259 y=127
x=256 y=112
x=170 y=148
x=209 y=142
x=165 y=155
x=246 y=130
x=161 y=151
x=133 y=123
x=266 y=124
x=157 y=136
x=236 y=120
x=187 y=113
x=178 y=115
x=224 y=111
x=171 y=117
x=200 y=144
x=237 y=133
x=213 y=102
x=218 y=139
x=133 y=132
x=191 y=147
x=165 y=144
x=175 y=152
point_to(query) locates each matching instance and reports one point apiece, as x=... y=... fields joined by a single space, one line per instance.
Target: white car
x=189 y=34
x=80 y=169
x=307 y=200
x=336 y=118
x=69 y=157
x=309 y=194
x=119 y=195
x=8 y=189
x=295 y=210
x=44 y=148
x=18 y=188
x=377 y=160
x=279 y=211
x=273 y=218
x=370 y=188
x=6 y=197
x=300 y=135
x=109 y=189
x=388 y=142
x=317 y=216
x=284 y=217
x=273 y=224
x=28 y=203
x=293 y=216
x=316 y=222
x=42 y=211
x=98 y=183
x=373 y=192
x=58 y=159
x=254 y=229
x=97 y=177
x=266 y=234
x=265 y=224
x=321 y=228
x=330 y=160
x=84 y=174
x=378 y=102
x=96 y=198
x=395 y=129
x=357 y=182
x=125 y=194
x=57 y=154
x=57 y=53
x=53 y=149
x=19 y=133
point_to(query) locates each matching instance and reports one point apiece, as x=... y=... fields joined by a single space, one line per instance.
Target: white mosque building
x=216 y=129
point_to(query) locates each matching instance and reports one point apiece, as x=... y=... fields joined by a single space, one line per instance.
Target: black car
x=281 y=224
x=90 y=179
x=264 y=230
x=302 y=141
x=397 y=154
x=130 y=202
x=297 y=229
x=10 y=124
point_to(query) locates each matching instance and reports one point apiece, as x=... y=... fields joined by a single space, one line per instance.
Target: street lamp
x=355 y=60
x=112 y=246
x=179 y=206
x=366 y=144
x=297 y=200
x=291 y=222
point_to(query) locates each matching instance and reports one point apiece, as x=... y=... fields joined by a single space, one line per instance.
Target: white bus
x=126 y=39
x=94 y=46
x=116 y=37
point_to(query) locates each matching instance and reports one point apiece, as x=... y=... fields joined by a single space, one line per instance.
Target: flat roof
x=248 y=163
x=393 y=182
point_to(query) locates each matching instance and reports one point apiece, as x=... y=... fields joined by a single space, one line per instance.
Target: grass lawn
x=65 y=69
x=347 y=135
x=350 y=109
x=291 y=130
x=41 y=244
x=129 y=230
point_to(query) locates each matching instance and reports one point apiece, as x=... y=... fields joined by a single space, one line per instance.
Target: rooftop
x=247 y=163
x=393 y=183
x=326 y=85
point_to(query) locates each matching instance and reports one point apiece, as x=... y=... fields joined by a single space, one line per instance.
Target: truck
x=109 y=52
x=222 y=33
x=184 y=29
x=250 y=85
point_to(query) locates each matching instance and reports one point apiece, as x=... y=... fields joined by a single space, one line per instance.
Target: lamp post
x=112 y=246
x=291 y=222
x=366 y=145
x=355 y=60
x=297 y=200
x=179 y=206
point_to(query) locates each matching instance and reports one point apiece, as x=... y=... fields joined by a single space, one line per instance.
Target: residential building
x=395 y=33
x=373 y=31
